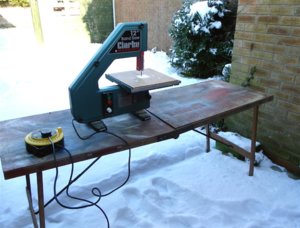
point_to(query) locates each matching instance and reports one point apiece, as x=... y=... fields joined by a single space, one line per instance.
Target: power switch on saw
x=108 y=103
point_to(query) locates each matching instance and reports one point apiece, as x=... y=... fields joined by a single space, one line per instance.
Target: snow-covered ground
x=173 y=183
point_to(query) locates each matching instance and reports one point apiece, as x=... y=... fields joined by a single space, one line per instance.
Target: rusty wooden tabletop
x=175 y=110
x=202 y=103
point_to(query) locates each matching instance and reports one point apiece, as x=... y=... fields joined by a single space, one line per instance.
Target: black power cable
x=83 y=137
x=128 y=163
x=75 y=179
x=117 y=136
x=95 y=191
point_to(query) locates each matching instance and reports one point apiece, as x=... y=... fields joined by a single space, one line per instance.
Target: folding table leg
x=29 y=197
x=40 y=187
x=253 y=140
x=207 y=138
x=28 y=185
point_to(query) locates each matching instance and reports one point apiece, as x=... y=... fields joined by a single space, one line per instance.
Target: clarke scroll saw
x=90 y=104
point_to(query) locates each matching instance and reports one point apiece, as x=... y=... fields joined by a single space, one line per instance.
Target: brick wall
x=268 y=37
x=158 y=14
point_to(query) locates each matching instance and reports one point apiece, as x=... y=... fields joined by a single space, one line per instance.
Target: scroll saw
x=90 y=104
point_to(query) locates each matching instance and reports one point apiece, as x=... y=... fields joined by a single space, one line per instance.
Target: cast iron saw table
x=173 y=111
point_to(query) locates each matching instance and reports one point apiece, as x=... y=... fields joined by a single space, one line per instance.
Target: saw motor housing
x=116 y=101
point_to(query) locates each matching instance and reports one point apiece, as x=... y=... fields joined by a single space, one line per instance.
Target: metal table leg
x=29 y=197
x=39 y=176
x=207 y=138
x=253 y=140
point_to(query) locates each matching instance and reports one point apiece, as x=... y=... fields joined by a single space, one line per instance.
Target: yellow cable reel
x=38 y=142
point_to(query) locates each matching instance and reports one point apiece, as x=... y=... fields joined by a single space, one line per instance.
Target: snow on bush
x=202 y=38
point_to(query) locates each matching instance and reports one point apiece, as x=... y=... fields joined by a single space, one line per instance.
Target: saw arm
x=90 y=103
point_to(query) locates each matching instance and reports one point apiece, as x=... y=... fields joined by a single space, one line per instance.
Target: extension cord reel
x=38 y=143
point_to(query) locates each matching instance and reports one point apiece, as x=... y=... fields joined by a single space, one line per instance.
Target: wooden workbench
x=172 y=111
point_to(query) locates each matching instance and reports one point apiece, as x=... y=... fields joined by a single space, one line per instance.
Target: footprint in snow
x=182 y=221
x=125 y=218
x=163 y=201
x=166 y=186
x=132 y=195
x=142 y=207
x=163 y=204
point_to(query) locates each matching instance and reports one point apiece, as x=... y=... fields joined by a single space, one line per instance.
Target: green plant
x=248 y=79
x=98 y=19
x=3 y=3
x=202 y=35
x=22 y=3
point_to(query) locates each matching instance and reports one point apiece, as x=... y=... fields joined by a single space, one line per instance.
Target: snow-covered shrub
x=202 y=35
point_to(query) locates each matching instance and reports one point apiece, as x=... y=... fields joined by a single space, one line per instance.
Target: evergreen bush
x=3 y=3
x=22 y=3
x=98 y=19
x=202 y=35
